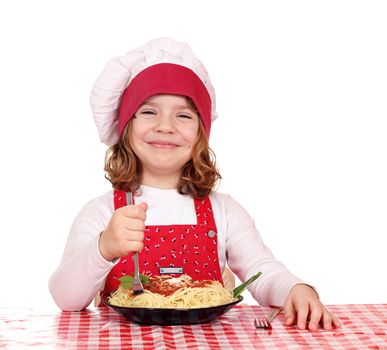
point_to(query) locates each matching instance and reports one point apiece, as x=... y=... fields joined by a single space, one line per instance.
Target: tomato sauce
x=160 y=285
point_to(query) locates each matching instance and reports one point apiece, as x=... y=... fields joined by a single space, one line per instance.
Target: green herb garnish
x=238 y=290
x=127 y=281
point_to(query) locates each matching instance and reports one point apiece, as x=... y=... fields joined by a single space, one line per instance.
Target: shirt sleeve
x=82 y=270
x=247 y=255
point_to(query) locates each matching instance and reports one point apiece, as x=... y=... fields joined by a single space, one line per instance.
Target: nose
x=165 y=123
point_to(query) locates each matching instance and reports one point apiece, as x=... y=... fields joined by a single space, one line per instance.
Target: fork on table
x=265 y=322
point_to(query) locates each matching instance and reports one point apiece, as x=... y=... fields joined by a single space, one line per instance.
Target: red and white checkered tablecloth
x=364 y=327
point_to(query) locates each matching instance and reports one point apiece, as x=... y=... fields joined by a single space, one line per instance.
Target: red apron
x=173 y=249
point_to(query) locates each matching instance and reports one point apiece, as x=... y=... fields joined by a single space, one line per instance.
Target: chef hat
x=161 y=66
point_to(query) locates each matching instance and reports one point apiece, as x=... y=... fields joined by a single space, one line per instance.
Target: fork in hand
x=137 y=285
x=265 y=322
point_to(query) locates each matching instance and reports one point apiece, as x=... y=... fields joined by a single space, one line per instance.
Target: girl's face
x=164 y=132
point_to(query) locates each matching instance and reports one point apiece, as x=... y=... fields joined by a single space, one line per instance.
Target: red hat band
x=165 y=78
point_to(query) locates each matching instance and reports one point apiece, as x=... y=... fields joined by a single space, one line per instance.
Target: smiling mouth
x=163 y=144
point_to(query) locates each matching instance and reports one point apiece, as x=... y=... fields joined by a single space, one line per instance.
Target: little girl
x=154 y=107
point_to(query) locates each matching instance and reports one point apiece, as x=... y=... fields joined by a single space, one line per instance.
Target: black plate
x=164 y=317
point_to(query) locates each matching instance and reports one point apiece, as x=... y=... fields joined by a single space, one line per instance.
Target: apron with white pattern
x=173 y=249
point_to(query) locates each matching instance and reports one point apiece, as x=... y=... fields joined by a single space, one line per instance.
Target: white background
x=300 y=141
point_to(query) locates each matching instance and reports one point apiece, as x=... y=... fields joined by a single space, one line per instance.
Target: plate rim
x=105 y=302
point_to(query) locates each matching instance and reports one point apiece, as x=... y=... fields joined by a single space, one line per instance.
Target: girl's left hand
x=302 y=306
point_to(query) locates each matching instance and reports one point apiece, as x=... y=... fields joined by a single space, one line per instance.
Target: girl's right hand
x=124 y=233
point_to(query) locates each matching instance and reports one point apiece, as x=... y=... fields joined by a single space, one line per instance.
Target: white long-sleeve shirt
x=82 y=270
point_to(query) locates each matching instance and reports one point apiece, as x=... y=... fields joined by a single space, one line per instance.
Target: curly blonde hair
x=199 y=175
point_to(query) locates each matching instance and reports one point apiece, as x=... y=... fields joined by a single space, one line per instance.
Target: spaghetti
x=170 y=292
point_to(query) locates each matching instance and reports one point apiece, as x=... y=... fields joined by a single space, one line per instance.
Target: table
x=364 y=327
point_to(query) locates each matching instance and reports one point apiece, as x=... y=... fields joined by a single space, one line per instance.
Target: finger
x=316 y=312
x=289 y=312
x=134 y=224
x=302 y=315
x=336 y=321
x=133 y=246
x=143 y=206
x=330 y=320
x=137 y=236
x=327 y=320
x=134 y=211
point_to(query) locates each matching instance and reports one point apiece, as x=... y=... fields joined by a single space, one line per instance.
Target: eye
x=146 y=113
x=184 y=116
